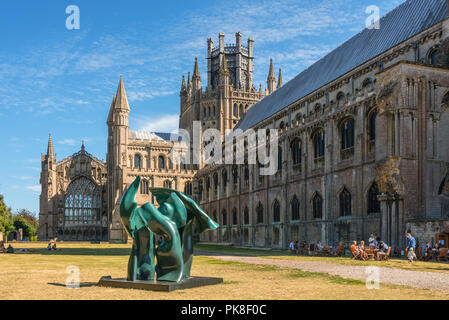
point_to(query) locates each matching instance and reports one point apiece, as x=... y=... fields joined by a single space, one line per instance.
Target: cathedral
x=363 y=146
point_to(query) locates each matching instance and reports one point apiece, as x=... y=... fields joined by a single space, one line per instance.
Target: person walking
x=411 y=245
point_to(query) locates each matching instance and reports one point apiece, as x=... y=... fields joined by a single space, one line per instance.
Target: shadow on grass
x=82 y=285
x=84 y=252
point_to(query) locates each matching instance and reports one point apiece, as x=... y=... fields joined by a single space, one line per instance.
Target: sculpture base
x=164 y=286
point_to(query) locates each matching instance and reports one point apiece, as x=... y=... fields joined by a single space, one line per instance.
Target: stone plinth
x=164 y=286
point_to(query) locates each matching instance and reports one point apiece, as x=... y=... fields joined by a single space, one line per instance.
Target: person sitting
x=297 y=247
x=383 y=249
x=355 y=249
x=54 y=247
x=49 y=247
x=10 y=249
x=340 y=249
x=292 y=247
x=2 y=247
x=427 y=252
x=319 y=246
x=373 y=244
x=371 y=238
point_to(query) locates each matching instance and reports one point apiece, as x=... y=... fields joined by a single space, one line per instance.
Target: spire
x=196 y=71
x=50 y=147
x=83 y=148
x=121 y=101
x=183 y=85
x=189 y=83
x=280 y=78
x=111 y=112
x=271 y=81
x=224 y=66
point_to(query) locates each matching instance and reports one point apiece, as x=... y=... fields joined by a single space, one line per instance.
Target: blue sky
x=59 y=81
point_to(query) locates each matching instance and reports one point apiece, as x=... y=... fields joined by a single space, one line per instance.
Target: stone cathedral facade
x=364 y=145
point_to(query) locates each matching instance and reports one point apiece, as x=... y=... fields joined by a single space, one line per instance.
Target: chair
x=443 y=255
x=356 y=255
x=340 y=251
x=386 y=256
x=326 y=251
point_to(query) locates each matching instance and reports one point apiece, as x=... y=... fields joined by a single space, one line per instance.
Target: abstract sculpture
x=173 y=221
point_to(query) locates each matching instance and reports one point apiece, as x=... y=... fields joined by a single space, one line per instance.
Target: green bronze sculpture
x=173 y=221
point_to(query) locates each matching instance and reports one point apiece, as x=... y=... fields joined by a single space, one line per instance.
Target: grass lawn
x=42 y=275
x=442 y=267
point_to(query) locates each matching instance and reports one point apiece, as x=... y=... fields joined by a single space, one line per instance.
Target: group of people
x=10 y=248
x=374 y=243
x=318 y=248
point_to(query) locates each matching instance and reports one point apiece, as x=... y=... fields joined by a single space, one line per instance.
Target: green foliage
x=6 y=221
x=31 y=220
x=29 y=230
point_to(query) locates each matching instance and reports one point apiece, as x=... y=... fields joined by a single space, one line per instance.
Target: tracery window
x=188 y=189
x=137 y=162
x=82 y=202
x=345 y=203
x=372 y=130
x=373 y=201
x=276 y=211
x=259 y=212
x=161 y=162
x=347 y=139
x=144 y=189
x=295 y=209
x=234 y=217
x=318 y=147
x=246 y=216
x=296 y=152
x=317 y=204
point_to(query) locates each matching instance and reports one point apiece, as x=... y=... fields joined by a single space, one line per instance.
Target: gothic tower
x=48 y=183
x=118 y=133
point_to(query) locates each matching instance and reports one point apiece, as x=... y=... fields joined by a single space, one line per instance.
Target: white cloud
x=34 y=188
x=68 y=142
x=164 y=123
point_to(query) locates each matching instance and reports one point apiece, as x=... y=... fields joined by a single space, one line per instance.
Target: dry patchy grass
x=41 y=275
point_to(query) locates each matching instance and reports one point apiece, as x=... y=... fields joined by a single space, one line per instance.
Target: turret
x=280 y=78
x=183 y=84
x=196 y=78
x=224 y=72
x=271 y=80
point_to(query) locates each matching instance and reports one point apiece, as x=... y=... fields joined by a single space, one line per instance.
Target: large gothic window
x=82 y=202
x=137 y=162
x=345 y=203
x=347 y=139
x=373 y=201
x=295 y=209
x=224 y=217
x=276 y=211
x=317 y=205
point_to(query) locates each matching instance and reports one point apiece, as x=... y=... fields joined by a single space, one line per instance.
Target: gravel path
x=416 y=279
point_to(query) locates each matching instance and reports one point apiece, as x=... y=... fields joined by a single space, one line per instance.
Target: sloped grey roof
x=402 y=23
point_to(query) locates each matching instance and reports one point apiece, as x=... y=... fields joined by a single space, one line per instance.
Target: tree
x=6 y=221
x=22 y=223
x=29 y=217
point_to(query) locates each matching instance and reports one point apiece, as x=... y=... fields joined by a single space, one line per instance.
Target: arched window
x=295 y=209
x=235 y=110
x=234 y=217
x=215 y=215
x=215 y=181
x=345 y=203
x=205 y=112
x=347 y=139
x=317 y=108
x=246 y=216
x=433 y=57
x=137 y=162
x=224 y=176
x=318 y=147
x=235 y=174
x=144 y=189
x=167 y=184
x=279 y=158
x=296 y=152
x=188 y=189
x=259 y=213
x=224 y=218
x=246 y=172
x=82 y=202
x=161 y=162
x=317 y=204
x=276 y=211
x=340 y=99
x=373 y=201
x=282 y=125
x=372 y=130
